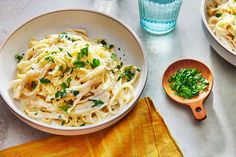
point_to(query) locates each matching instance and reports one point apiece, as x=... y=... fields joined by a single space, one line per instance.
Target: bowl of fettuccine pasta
x=72 y=72
x=219 y=23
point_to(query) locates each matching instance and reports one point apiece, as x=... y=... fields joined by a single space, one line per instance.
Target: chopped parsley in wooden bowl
x=188 y=82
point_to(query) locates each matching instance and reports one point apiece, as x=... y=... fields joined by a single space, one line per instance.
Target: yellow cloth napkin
x=141 y=133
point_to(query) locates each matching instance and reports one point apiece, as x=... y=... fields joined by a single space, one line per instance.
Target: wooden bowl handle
x=198 y=110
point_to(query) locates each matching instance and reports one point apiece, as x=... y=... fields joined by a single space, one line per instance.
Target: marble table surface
x=216 y=136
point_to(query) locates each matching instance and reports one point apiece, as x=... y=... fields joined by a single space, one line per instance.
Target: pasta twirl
x=71 y=80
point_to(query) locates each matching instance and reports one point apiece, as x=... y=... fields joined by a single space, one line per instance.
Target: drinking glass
x=159 y=16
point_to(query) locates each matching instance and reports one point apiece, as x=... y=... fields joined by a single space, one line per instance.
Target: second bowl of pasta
x=219 y=22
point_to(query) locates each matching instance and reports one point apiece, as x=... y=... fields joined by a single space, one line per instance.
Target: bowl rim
x=106 y=120
x=203 y=11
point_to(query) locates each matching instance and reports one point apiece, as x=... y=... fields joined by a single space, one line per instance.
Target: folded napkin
x=141 y=133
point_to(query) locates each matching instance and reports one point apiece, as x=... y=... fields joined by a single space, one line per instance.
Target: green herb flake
x=73 y=39
x=95 y=63
x=218 y=15
x=69 y=54
x=138 y=69
x=63 y=122
x=61 y=68
x=44 y=81
x=19 y=57
x=63 y=86
x=49 y=59
x=65 y=107
x=72 y=69
x=111 y=46
x=188 y=82
x=113 y=56
x=60 y=49
x=59 y=116
x=96 y=102
x=79 y=63
x=83 y=52
x=33 y=84
x=68 y=80
x=127 y=73
x=75 y=92
x=103 y=42
x=83 y=124
x=63 y=35
x=60 y=94
x=118 y=66
x=67 y=69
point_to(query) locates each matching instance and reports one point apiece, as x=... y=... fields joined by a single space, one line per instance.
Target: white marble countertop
x=216 y=136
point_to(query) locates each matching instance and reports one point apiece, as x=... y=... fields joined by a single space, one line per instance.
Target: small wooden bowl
x=195 y=103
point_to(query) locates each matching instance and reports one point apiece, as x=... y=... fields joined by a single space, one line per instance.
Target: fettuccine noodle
x=222 y=21
x=70 y=80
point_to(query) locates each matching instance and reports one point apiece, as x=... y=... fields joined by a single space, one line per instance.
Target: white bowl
x=97 y=25
x=220 y=48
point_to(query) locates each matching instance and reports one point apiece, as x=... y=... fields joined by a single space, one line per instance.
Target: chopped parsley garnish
x=95 y=63
x=111 y=46
x=188 y=82
x=66 y=84
x=127 y=73
x=103 y=42
x=65 y=107
x=113 y=56
x=79 y=63
x=96 y=102
x=49 y=59
x=68 y=81
x=19 y=57
x=52 y=52
x=63 y=35
x=120 y=76
x=60 y=94
x=61 y=68
x=60 y=49
x=44 y=81
x=63 y=86
x=75 y=92
x=72 y=69
x=69 y=54
x=83 y=52
x=83 y=124
x=67 y=69
x=63 y=122
x=218 y=14
x=118 y=66
x=59 y=116
x=33 y=84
